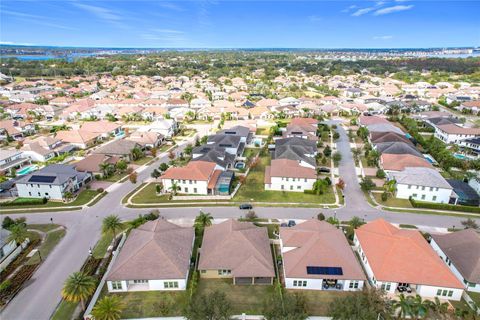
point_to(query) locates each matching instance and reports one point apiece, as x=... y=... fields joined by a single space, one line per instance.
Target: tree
x=292 y=307
x=133 y=177
x=108 y=308
x=18 y=233
x=137 y=153
x=78 y=287
x=171 y=155
x=68 y=195
x=327 y=152
x=121 y=165
x=355 y=222
x=370 y=303
x=403 y=306
x=153 y=152
x=321 y=216
x=107 y=169
x=7 y=223
x=203 y=220
x=155 y=173
x=113 y=224
x=337 y=157
x=367 y=184
x=188 y=149
x=341 y=184
x=380 y=174
x=332 y=220
x=211 y=306
x=174 y=188
x=163 y=167
x=470 y=224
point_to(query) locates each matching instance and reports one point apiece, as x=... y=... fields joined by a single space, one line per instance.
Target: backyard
x=318 y=301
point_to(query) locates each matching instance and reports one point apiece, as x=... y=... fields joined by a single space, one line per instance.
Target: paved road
x=41 y=295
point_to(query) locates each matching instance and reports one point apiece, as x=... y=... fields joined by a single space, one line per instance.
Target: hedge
x=24 y=202
x=443 y=206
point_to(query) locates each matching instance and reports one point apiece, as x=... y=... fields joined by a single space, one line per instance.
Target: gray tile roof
x=60 y=173
x=118 y=147
x=397 y=148
x=421 y=177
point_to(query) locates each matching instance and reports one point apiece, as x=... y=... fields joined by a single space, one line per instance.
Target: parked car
x=323 y=170
x=246 y=206
x=291 y=223
x=283 y=225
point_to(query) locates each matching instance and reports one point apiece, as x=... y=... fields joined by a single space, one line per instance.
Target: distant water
x=45 y=57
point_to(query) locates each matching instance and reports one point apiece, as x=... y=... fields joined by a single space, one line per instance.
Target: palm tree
x=112 y=223
x=78 y=287
x=419 y=307
x=390 y=187
x=106 y=168
x=203 y=220
x=18 y=233
x=108 y=308
x=355 y=222
x=437 y=308
x=403 y=305
x=174 y=188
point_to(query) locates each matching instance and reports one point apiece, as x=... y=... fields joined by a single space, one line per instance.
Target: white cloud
x=16 y=43
x=36 y=19
x=169 y=5
x=104 y=14
x=347 y=9
x=393 y=9
x=382 y=37
x=315 y=18
x=361 y=12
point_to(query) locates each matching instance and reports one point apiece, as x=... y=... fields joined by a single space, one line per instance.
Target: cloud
x=169 y=5
x=361 y=12
x=393 y=9
x=168 y=37
x=347 y=9
x=104 y=14
x=36 y=19
x=315 y=18
x=382 y=37
x=12 y=43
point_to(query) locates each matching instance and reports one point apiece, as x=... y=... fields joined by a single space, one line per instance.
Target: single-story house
x=121 y=148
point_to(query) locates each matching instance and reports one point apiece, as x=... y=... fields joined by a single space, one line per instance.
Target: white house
x=398 y=261
x=317 y=256
x=12 y=159
x=166 y=127
x=289 y=175
x=8 y=249
x=452 y=133
x=197 y=177
x=421 y=183
x=461 y=252
x=52 y=182
x=155 y=256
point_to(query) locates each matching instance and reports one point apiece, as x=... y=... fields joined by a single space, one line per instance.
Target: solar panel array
x=42 y=179
x=331 y=271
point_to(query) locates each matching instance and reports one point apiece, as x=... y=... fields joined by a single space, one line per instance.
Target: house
x=317 y=256
x=396 y=259
x=289 y=175
x=121 y=148
x=302 y=150
x=395 y=147
x=155 y=256
x=12 y=159
x=398 y=162
x=381 y=137
x=197 y=177
x=9 y=250
x=15 y=129
x=424 y=184
x=93 y=163
x=147 y=140
x=199 y=103
x=384 y=127
x=237 y=250
x=461 y=252
x=470 y=106
x=243 y=132
x=166 y=127
x=451 y=130
x=104 y=128
x=41 y=148
x=463 y=193
x=81 y=139
x=471 y=146
x=52 y=182
x=301 y=130
x=223 y=159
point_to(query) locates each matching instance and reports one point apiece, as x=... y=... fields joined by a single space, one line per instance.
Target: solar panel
x=42 y=179
x=332 y=271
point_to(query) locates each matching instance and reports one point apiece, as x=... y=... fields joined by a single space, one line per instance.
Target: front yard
x=244 y=298
x=392 y=202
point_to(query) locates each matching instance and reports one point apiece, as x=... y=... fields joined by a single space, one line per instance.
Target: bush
x=321 y=216
x=328 y=181
x=88 y=187
x=443 y=206
x=7 y=222
x=157 y=188
x=337 y=157
x=380 y=174
x=309 y=192
x=336 y=136
x=384 y=196
x=24 y=202
x=100 y=190
x=5 y=285
x=98 y=177
x=251 y=215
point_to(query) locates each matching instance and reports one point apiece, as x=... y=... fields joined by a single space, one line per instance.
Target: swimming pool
x=27 y=170
x=460 y=156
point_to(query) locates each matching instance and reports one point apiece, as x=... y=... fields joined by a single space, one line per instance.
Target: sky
x=241 y=24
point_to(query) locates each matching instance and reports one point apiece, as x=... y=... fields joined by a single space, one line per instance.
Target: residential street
x=42 y=293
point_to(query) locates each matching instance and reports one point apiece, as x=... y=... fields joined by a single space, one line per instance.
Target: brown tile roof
x=92 y=162
x=214 y=179
x=76 y=136
x=380 y=137
x=318 y=243
x=238 y=246
x=99 y=126
x=290 y=169
x=398 y=162
x=454 y=129
x=368 y=120
x=463 y=249
x=403 y=256
x=194 y=170
x=154 y=251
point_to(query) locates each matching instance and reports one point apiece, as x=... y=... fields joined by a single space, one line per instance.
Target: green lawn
x=52 y=239
x=263 y=131
x=142 y=161
x=104 y=193
x=65 y=310
x=43 y=227
x=475 y=297
x=318 y=301
x=143 y=304
x=392 y=202
x=254 y=189
x=244 y=298
x=116 y=177
x=84 y=197
x=148 y=195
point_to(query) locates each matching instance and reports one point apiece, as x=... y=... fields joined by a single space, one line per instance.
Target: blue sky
x=241 y=24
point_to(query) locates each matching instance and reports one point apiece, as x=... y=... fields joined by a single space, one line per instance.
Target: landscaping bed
x=443 y=206
x=23 y=203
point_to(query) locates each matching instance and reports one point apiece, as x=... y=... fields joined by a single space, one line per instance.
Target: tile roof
x=238 y=246
x=318 y=243
x=398 y=148
x=156 y=250
x=290 y=169
x=194 y=170
x=419 y=176
x=403 y=256
x=463 y=249
x=398 y=162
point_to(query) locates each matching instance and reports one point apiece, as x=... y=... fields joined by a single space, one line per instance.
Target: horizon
x=390 y=24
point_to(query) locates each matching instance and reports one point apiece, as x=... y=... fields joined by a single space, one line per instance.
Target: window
x=170 y=284
x=190 y=181
x=423 y=197
x=386 y=286
x=431 y=188
x=353 y=285
x=194 y=190
x=283 y=187
x=186 y=190
x=305 y=179
x=414 y=195
x=203 y=271
x=434 y=198
x=423 y=188
x=299 y=187
x=450 y=293
x=224 y=272
x=117 y=285
x=140 y=281
x=299 y=283
x=409 y=186
x=439 y=292
x=291 y=187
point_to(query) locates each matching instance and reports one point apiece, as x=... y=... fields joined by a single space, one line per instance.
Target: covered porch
x=252 y=280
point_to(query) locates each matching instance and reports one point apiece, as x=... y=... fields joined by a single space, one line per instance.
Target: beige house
x=237 y=250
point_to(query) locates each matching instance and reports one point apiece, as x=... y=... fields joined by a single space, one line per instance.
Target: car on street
x=246 y=206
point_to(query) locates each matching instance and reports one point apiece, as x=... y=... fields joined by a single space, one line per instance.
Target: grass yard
x=142 y=161
x=263 y=131
x=254 y=189
x=318 y=301
x=148 y=195
x=392 y=202
x=83 y=197
x=144 y=304
x=244 y=298
x=43 y=227
x=115 y=177
x=52 y=239
x=475 y=297
x=65 y=310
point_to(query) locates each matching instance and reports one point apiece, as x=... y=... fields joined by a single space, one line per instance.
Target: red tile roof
x=195 y=170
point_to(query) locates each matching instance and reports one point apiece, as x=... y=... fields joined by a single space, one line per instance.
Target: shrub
x=336 y=136
x=100 y=190
x=5 y=285
x=384 y=196
x=380 y=174
x=129 y=170
x=133 y=177
x=442 y=206
x=158 y=188
x=337 y=157
x=7 y=222
x=24 y=202
x=251 y=215
x=98 y=177
x=367 y=184
x=321 y=216
x=328 y=181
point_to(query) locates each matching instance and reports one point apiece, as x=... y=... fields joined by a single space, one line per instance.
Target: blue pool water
x=459 y=156
x=27 y=170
